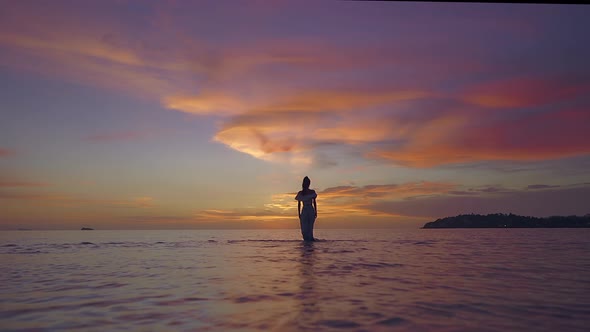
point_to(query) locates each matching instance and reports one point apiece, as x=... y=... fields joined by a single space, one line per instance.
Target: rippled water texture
x=374 y=280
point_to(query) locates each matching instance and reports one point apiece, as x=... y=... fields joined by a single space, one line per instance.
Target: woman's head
x=306 y=183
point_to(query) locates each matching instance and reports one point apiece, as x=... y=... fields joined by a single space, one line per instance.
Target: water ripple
x=482 y=280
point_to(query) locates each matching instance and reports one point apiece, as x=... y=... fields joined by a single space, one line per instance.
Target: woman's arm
x=299 y=208
x=315 y=207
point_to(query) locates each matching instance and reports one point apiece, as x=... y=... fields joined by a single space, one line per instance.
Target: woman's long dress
x=307 y=217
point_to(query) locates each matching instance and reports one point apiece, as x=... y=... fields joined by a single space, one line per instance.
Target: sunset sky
x=208 y=114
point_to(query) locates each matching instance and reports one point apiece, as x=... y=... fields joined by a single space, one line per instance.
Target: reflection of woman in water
x=310 y=209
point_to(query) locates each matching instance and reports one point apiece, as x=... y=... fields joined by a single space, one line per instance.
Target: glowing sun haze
x=208 y=114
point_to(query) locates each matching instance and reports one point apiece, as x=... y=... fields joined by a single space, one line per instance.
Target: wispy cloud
x=68 y=200
x=541 y=186
x=461 y=137
x=566 y=200
x=418 y=104
x=333 y=203
x=412 y=201
x=415 y=128
x=12 y=184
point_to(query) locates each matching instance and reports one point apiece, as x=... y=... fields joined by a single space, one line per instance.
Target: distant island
x=502 y=220
x=87 y=229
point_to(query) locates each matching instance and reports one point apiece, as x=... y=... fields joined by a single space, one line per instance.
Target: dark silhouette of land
x=87 y=229
x=502 y=220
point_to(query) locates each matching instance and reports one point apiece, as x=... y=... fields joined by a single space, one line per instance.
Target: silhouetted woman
x=310 y=209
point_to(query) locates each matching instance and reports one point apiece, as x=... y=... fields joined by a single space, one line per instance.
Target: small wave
x=418 y=243
x=292 y=241
x=358 y=266
x=344 y=251
x=29 y=251
x=109 y=285
x=190 y=299
x=344 y=240
x=379 y=265
x=147 y=317
x=393 y=321
x=263 y=241
x=252 y=298
x=180 y=301
x=337 y=323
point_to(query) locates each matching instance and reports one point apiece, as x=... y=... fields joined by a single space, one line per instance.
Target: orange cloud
x=51 y=42
x=347 y=200
x=278 y=100
x=295 y=124
x=231 y=103
x=350 y=201
x=441 y=154
x=454 y=133
x=90 y=50
x=240 y=215
x=420 y=128
x=389 y=191
x=344 y=100
x=113 y=58
x=205 y=104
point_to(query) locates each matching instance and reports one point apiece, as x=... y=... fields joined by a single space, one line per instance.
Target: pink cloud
x=6 y=152
x=278 y=99
x=524 y=91
x=463 y=137
x=451 y=132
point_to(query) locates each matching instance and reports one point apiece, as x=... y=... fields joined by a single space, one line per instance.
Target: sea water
x=351 y=280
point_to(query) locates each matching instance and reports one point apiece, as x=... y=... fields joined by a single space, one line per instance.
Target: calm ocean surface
x=352 y=280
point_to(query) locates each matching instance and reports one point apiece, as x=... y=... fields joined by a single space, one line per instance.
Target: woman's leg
x=306 y=226
x=302 y=223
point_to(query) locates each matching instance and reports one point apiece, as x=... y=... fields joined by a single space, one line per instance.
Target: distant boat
x=87 y=229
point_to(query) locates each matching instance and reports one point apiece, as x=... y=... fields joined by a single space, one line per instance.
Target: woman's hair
x=306 y=183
